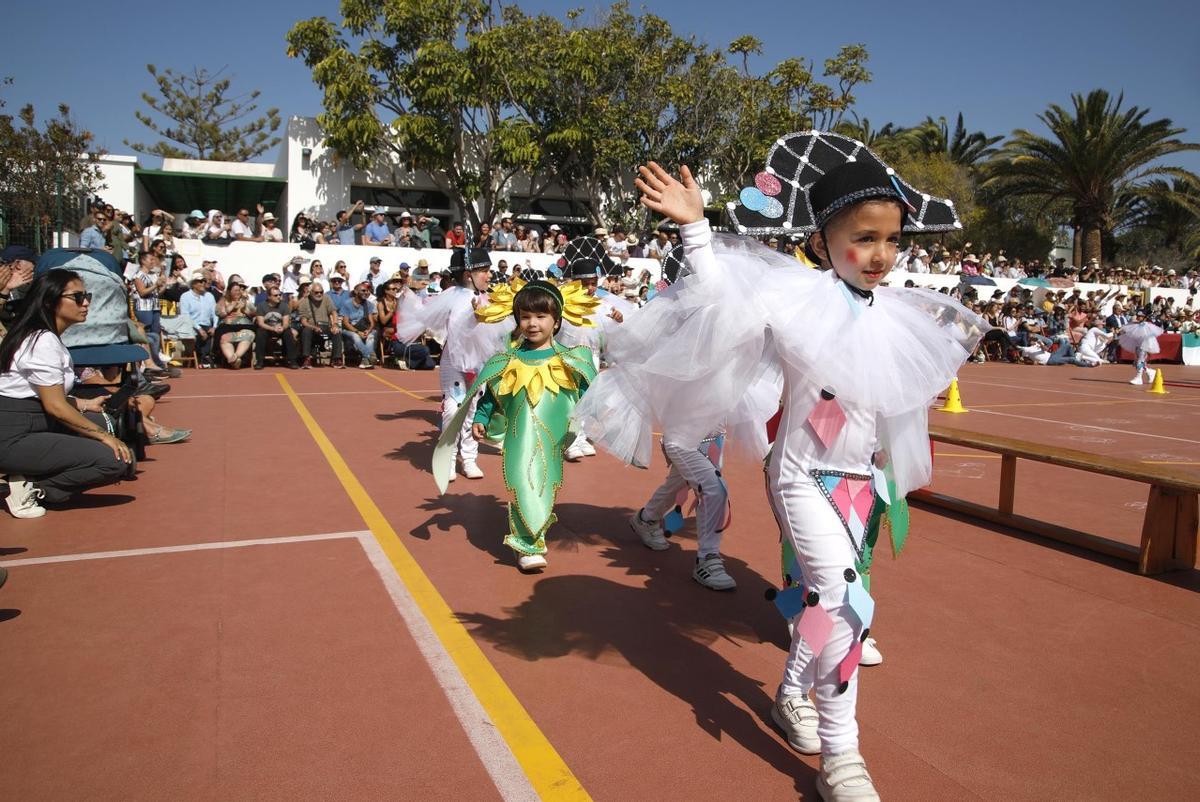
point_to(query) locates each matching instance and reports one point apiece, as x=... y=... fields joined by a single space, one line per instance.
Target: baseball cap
x=14 y=252
x=375 y=259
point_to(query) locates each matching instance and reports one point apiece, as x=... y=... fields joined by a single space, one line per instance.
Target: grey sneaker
x=651 y=532
x=797 y=716
x=710 y=572
x=844 y=778
x=23 y=498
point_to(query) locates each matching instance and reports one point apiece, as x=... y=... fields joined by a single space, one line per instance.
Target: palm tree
x=1096 y=155
x=880 y=140
x=933 y=137
x=1172 y=208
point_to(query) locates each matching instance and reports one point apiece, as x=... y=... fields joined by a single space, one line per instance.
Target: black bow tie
x=868 y=294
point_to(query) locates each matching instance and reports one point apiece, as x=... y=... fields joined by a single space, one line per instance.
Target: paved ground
x=287 y=611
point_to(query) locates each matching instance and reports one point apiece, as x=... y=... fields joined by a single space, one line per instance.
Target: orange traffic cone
x=953 y=400
x=1157 y=388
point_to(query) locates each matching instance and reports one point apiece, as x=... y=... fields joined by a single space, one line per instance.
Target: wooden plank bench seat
x=1169 y=530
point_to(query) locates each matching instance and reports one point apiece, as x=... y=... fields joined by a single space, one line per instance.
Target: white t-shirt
x=41 y=361
x=241 y=229
x=271 y=234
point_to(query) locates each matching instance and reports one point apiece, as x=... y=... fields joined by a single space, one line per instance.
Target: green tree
x=1096 y=154
x=200 y=114
x=436 y=85
x=45 y=173
x=968 y=148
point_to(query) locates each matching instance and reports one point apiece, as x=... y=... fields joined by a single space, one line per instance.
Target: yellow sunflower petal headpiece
x=573 y=301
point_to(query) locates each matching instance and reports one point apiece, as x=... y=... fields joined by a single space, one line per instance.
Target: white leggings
x=690 y=468
x=824 y=552
x=454 y=388
x=1089 y=356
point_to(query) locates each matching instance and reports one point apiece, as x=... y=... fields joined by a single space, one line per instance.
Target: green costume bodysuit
x=528 y=400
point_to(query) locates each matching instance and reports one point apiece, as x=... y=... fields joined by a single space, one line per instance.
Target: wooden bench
x=1169 y=530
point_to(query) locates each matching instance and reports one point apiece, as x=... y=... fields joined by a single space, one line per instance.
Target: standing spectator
x=154 y=226
x=456 y=237
x=96 y=235
x=615 y=244
x=242 y=229
x=484 y=238
x=290 y=284
x=348 y=232
x=302 y=232
x=374 y=274
x=425 y=224
x=270 y=228
x=48 y=448
x=376 y=232
x=405 y=235
x=548 y=242
x=147 y=284
x=318 y=317
x=504 y=238
x=634 y=245
x=358 y=323
x=199 y=305
x=272 y=321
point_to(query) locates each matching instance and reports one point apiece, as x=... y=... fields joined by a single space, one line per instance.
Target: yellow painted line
x=401 y=389
x=547 y=772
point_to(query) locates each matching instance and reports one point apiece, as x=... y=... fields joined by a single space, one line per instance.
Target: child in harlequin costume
x=691 y=472
x=1140 y=337
x=449 y=317
x=585 y=260
x=528 y=393
x=860 y=365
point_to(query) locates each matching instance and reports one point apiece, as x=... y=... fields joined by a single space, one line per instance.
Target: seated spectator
x=49 y=448
x=16 y=274
x=319 y=319
x=217 y=229
x=338 y=293
x=156 y=225
x=199 y=305
x=376 y=232
x=316 y=274
x=270 y=228
x=193 y=226
x=456 y=237
x=270 y=281
x=236 y=316
x=660 y=246
x=483 y=239
x=504 y=238
x=273 y=322
x=618 y=247
x=419 y=280
x=292 y=274
x=374 y=273
x=348 y=231
x=358 y=323
x=551 y=239
x=340 y=269
x=241 y=228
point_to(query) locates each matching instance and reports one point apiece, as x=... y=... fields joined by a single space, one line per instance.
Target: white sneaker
x=844 y=778
x=651 y=532
x=531 y=563
x=1136 y=379
x=573 y=453
x=871 y=655
x=471 y=470
x=797 y=717
x=587 y=449
x=23 y=498
x=1150 y=374
x=710 y=572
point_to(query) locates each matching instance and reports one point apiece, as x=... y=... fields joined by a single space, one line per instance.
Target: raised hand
x=678 y=199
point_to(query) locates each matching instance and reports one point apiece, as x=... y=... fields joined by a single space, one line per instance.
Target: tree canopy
x=200 y=117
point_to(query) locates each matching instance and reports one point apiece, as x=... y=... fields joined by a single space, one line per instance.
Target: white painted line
x=1037 y=389
x=1086 y=426
x=227 y=544
x=495 y=754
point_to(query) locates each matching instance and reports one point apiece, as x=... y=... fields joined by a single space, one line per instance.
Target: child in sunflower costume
x=529 y=392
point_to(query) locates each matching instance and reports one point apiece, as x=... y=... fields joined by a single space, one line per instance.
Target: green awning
x=182 y=192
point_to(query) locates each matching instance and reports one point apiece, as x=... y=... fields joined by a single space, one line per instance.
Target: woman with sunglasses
x=49 y=448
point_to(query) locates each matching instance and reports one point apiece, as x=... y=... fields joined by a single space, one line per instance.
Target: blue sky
x=998 y=63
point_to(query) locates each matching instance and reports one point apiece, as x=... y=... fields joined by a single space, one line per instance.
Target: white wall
x=251 y=260
x=121 y=187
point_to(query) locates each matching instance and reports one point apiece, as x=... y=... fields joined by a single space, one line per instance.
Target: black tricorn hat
x=812 y=175
x=473 y=258
x=675 y=266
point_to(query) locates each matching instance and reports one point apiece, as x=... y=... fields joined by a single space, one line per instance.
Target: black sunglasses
x=80 y=298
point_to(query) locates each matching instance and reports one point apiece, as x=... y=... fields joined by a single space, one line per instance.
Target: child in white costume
x=449 y=317
x=586 y=260
x=859 y=367
x=1141 y=337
